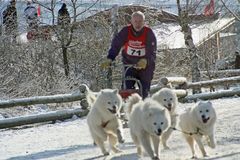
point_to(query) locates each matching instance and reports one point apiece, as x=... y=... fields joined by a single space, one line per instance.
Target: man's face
x=137 y=22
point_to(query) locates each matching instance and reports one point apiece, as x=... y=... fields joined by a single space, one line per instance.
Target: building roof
x=169 y=35
x=166 y=27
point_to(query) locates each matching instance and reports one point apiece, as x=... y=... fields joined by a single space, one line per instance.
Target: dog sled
x=122 y=79
x=123 y=91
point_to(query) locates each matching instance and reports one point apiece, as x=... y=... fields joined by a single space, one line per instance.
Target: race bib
x=138 y=52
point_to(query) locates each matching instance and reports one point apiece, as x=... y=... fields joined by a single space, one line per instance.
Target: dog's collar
x=104 y=124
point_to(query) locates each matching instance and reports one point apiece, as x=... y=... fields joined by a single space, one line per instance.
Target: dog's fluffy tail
x=91 y=97
x=133 y=99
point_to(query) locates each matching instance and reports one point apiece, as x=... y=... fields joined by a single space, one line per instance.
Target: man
x=63 y=16
x=138 y=44
x=30 y=13
x=10 y=19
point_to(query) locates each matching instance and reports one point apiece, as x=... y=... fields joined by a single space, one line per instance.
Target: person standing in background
x=31 y=16
x=10 y=20
x=63 y=16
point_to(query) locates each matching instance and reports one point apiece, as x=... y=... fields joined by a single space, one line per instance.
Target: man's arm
x=151 y=47
x=117 y=43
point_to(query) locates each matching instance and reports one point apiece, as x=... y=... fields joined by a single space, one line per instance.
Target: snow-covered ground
x=71 y=140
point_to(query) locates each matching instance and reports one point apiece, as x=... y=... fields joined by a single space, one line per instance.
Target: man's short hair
x=138 y=13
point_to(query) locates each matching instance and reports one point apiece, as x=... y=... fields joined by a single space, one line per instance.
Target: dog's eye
x=108 y=102
x=200 y=111
x=207 y=110
x=165 y=99
x=170 y=99
x=155 y=123
x=161 y=123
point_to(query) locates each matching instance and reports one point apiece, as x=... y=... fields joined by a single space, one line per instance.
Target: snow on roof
x=169 y=35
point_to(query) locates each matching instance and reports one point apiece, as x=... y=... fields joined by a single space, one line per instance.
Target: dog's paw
x=165 y=147
x=194 y=157
x=155 y=158
x=116 y=150
x=139 y=151
x=120 y=136
x=121 y=140
x=205 y=155
x=211 y=144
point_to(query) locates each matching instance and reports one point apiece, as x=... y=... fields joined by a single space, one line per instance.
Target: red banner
x=209 y=9
x=39 y=11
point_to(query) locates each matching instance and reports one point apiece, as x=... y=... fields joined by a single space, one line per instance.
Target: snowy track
x=71 y=140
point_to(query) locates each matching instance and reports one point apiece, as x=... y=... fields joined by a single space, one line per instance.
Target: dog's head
x=167 y=98
x=109 y=101
x=205 y=112
x=157 y=118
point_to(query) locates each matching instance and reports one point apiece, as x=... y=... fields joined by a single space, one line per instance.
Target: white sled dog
x=167 y=98
x=102 y=119
x=197 y=122
x=147 y=120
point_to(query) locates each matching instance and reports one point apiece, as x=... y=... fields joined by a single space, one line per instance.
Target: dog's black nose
x=169 y=105
x=159 y=131
x=114 y=107
x=203 y=116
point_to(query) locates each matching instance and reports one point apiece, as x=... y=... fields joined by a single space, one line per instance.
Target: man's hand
x=106 y=63
x=141 y=64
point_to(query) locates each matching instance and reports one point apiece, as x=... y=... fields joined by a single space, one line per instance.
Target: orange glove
x=141 y=64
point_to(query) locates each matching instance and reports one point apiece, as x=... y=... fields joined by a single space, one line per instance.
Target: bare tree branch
x=224 y=4
x=87 y=9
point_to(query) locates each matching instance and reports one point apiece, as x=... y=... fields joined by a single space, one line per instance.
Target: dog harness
x=104 y=124
x=189 y=133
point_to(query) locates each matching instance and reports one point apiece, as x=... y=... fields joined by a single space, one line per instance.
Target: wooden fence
x=180 y=84
x=50 y=116
x=180 y=90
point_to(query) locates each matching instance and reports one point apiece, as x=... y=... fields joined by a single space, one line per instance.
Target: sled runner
x=124 y=92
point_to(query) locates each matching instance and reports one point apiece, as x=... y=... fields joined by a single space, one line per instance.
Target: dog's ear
x=148 y=113
x=146 y=109
x=198 y=100
x=115 y=91
x=102 y=91
x=209 y=102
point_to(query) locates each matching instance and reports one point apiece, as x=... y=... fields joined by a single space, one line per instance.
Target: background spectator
x=63 y=16
x=10 y=19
